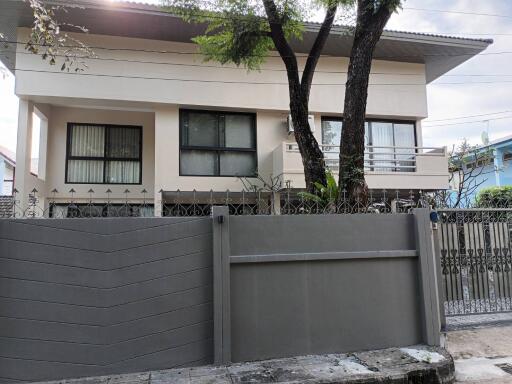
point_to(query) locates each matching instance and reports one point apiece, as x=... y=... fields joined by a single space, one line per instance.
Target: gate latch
x=434 y=218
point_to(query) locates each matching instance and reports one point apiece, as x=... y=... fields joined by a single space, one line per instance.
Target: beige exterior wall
x=271 y=130
x=126 y=87
x=136 y=76
x=25 y=182
x=431 y=172
x=56 y=160
x=58 y=118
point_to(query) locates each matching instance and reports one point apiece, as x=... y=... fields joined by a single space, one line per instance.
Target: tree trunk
x=369 y=27
x=311 y=154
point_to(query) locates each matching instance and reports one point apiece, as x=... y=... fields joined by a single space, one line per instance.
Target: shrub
x=495 y=197
x=325 y=195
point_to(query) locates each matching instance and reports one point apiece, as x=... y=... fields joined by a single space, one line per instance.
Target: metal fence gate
x=476 y=260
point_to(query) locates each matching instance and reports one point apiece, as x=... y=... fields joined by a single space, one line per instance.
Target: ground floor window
x=217 y=143
x=104 y=154
x=64 y=211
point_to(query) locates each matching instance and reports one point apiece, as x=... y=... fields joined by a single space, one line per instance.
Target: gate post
x=440 y=283
x=221 y=286
x=428 y=277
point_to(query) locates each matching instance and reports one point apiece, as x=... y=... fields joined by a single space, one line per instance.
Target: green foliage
x=495 y=197
x=353 y=174
x=47 y=39
x=238 y=30
x=243 y=43
x=375 y=5
x=325 y=195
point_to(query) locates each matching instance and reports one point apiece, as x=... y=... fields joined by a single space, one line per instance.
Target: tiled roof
x=9 y=155
x=6 y=204
x=501 y=140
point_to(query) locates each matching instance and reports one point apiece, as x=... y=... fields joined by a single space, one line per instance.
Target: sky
x=445 y=102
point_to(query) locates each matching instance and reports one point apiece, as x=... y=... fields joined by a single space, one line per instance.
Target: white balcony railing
x=402 y=168
x=380 y=159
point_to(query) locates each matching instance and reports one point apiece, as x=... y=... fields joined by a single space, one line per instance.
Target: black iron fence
x=476 y=260
x=199 y=203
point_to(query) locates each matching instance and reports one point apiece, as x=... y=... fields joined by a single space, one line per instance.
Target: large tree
x=372 y=17
x=244 y=32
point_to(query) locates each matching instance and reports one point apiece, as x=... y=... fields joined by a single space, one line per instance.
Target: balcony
x=391 y=168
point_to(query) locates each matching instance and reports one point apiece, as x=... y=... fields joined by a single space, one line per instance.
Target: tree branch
x=279 y=38
x=316 y=50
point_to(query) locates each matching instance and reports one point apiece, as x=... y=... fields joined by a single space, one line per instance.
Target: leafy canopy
x=48 y=39
x=495 y=197
x=238 y=31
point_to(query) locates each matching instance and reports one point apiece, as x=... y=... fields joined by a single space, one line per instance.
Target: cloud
x=446 y=101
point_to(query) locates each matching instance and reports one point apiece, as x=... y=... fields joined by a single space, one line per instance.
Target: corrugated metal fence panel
x=96 y=296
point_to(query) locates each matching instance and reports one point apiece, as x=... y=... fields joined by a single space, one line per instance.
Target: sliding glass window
x=218 y=144
x=104 y=154
x=390 y=145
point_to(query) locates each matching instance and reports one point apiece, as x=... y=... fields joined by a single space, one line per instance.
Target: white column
x=43 y=144
x=23 y=149
x=498 y=165
x=419 y=133
x=166 y=152
x=2 y=176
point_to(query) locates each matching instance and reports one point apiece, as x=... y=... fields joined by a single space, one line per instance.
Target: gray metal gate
x=476 y=260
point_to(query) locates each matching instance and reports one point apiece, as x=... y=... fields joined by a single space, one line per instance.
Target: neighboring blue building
x=502 y=154
x=493 y=164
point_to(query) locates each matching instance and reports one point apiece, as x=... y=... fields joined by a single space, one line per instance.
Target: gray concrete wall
x=82 y=297
x=325 y=283
x=315 y=307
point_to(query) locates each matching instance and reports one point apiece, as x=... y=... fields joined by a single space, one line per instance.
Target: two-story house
x=7 y=171
x=149 y=115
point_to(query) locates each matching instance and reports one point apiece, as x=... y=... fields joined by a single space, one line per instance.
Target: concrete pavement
x=417 y=364
x=478 y=352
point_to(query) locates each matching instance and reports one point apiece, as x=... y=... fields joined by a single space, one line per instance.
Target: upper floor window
x=104 y=154
x=218 y=144
x=390 y=144
x=480 y=161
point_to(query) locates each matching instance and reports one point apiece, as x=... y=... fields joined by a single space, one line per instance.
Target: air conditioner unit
x=311 y=119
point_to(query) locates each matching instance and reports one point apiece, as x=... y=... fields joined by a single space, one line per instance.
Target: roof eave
x=439 y=53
